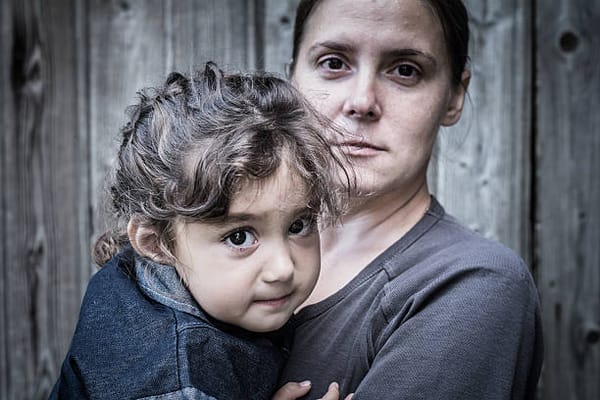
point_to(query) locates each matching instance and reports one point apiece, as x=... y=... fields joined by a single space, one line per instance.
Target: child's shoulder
x=113 y=293
x=117 y=273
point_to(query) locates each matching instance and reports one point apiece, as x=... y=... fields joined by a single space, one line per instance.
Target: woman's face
x=379 y=69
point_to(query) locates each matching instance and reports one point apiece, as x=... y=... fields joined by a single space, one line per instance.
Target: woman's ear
x=145 y=241
x=455 y=105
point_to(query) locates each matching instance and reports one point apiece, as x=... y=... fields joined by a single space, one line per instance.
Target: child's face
x=255 y=268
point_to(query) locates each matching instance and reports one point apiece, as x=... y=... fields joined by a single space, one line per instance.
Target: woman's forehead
x=377 y=21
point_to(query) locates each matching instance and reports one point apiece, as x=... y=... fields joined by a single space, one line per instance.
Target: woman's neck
x=377 y=221
x=372 y=225
x=373 y=218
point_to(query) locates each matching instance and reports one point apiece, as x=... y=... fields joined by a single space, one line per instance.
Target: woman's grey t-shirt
x=442 y=314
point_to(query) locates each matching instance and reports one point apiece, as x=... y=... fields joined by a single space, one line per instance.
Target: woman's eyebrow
x=410 y=52
x=330 y=45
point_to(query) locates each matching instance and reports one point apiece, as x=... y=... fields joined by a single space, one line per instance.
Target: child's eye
x=303 y=226
x=241 y=239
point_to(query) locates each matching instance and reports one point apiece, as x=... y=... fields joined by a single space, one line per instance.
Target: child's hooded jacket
x=141 y=335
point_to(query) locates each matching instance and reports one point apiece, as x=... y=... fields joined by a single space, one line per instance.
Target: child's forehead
x=282 y=191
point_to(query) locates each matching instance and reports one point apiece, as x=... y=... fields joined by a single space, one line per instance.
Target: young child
x=220 y=183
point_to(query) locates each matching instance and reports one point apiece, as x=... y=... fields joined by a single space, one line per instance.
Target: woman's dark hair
x=191 y=144
x=451 y=13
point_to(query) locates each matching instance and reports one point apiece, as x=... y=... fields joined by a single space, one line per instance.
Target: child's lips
x=276 y=301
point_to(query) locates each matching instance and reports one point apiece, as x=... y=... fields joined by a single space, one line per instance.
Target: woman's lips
x=360 y=149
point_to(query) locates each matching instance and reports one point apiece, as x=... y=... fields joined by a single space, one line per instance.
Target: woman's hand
x=292 y=391
x=333 y=393
x=295 y=390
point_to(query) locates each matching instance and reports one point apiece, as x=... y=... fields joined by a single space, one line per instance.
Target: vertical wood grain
x=568 y=185
x=6 y=125
x=24 y=240
x=127 y=51
x=66 y=173
x=481 y=171
x=215 y=30
x=43 y=172
x=278 y=34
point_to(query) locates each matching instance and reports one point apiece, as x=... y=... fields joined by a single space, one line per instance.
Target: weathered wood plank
x=278 y=34
x=6 y=125
x=127 y=51
x=481 y=171
x=66 y=175
x=81 y=15
x=221 y=31
x=568 y=217
x=24 y=240
x=43 y=174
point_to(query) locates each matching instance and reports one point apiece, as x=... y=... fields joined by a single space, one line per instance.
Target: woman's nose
x=280 y=266
x=362 y=101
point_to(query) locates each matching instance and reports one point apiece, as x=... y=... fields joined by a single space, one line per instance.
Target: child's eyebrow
x=238 y=218
x=231 y=220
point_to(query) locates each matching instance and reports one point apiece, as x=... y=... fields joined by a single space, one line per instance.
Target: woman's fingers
x=295 y=390
x=292 y=391
x=333 y=392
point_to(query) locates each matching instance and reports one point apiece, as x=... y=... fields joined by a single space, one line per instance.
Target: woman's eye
x=332 y=63
x=405 y=71
x=302 y=226
x=240 y=240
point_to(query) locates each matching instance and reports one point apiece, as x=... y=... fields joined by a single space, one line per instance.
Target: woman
x=409 y=303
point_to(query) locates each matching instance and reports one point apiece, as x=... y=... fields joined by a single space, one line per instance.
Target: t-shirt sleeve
x=469 y=333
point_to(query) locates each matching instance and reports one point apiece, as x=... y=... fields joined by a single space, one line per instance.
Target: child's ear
x=455 y=106
x=144 y=240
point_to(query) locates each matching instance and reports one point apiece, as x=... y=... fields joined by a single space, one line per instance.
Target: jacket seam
x=177 y=352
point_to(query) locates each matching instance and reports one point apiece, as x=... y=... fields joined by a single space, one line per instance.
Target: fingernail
x=305 y=383
x=334 y=385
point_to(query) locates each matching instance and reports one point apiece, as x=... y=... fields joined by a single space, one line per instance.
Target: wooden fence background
x=521 y=167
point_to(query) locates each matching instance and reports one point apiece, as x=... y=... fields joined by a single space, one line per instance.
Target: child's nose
x=280 y=266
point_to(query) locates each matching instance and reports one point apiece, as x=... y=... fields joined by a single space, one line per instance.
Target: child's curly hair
x=192 y=143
